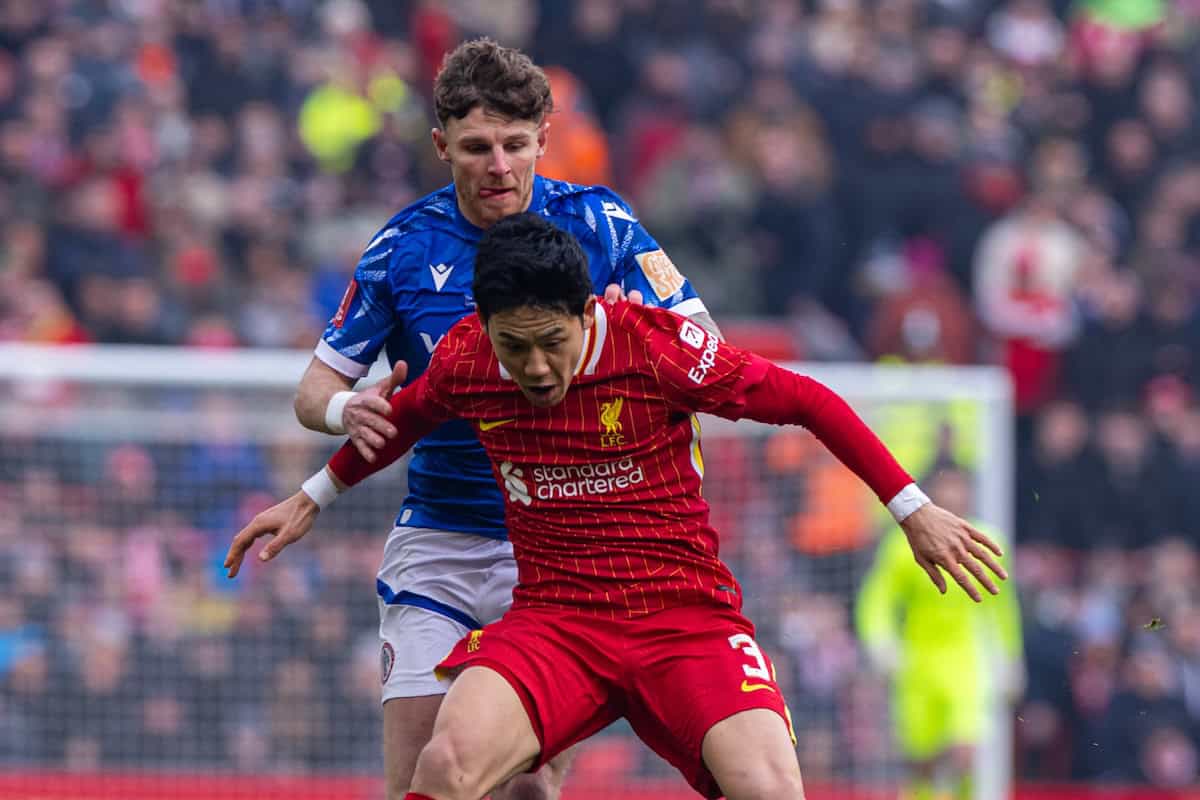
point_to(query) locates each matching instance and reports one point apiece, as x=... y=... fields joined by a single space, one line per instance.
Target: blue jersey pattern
x=414 y=282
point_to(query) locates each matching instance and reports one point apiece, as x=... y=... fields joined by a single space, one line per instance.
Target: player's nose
x=538 y=365
x=498 y=164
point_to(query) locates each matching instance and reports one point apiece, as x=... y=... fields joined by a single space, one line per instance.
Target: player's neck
x=469 y=215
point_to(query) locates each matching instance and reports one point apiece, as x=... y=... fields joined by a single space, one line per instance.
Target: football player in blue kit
x=447 y=566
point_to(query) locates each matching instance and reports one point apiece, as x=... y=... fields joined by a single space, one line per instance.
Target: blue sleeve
x=639 y=263
x=366 y=316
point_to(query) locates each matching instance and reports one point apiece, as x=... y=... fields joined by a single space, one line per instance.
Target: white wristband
x=321 y=488
x=906 y=501
x=333 y=412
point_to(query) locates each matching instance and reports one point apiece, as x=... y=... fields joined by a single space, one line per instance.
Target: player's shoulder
x=421 y=221
x=416 y=230
x=437 y=206
x=591 y=203
x=642 y=319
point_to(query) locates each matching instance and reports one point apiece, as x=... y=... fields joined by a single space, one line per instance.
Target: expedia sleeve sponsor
x=708 y=358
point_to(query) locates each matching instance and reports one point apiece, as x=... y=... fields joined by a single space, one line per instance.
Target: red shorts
x=673 y=674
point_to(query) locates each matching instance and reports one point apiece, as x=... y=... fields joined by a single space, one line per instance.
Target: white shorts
x=434 y=587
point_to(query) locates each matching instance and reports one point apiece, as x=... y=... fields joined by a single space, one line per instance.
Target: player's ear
x=440 y=143
x=541 y=137
x=589 y=312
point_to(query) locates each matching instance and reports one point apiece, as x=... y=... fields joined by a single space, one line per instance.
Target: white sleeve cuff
x=321 y=488
x=906 y=501
x=332 y=358
x=689 y=308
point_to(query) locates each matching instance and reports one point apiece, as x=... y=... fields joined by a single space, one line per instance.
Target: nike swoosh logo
x=747 y=686
x=487 y=426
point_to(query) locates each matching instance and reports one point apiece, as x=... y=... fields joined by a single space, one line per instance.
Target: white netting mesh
x=131 y=668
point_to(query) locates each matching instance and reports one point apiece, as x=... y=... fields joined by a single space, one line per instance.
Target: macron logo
x=430 y=342
x=440 y=273
x=518 y=490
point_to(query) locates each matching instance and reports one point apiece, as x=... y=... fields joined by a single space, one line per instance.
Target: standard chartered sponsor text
x=576 y=480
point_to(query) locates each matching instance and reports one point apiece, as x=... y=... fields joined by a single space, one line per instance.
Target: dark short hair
x=524 y=261
x=503 y=80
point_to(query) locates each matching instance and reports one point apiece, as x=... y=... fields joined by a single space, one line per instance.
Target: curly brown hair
x=503 y=80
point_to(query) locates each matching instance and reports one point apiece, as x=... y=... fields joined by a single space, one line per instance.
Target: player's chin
x=543 y=396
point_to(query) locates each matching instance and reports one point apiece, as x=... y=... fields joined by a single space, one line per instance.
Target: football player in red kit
x=623 y=607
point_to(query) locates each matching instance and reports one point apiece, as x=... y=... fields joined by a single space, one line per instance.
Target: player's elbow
x=300 y=406
x=309 y=405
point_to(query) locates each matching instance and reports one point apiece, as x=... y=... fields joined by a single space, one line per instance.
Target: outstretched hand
x=287 y=522
x=614 y=293
x=941 y=539
x=366 y=414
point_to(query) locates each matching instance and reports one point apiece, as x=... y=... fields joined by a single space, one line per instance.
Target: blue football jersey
x=414 y=282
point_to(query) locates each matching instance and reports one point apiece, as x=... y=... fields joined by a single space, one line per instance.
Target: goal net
x=131 y=668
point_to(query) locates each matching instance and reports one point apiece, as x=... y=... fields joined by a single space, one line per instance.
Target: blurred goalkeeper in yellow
x=946 y=656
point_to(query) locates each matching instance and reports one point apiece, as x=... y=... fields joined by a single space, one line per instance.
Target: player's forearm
x=317 y=387
x=412 y=418
x=784 y=398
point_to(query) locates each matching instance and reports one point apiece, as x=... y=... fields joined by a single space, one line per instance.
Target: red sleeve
x=781 y=397
x=696 y=371
x=415 y=412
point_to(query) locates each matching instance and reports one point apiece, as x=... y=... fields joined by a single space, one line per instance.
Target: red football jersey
x=602 y=490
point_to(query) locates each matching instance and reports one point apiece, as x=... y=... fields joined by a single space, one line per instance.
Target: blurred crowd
x=1011 y=182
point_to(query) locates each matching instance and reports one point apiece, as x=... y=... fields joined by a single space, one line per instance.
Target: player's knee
x=445 y=768
x=398 y=785
x=774 y=784
x=536 y=786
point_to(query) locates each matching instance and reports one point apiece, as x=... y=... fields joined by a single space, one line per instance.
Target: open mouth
x=540 y=391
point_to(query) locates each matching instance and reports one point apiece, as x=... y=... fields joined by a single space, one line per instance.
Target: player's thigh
x=562 y=668
x=966 y=717
x=917 y=720
x=407 y=727
x=927 y=716
x=482 y=729
x=413 y=641
x=434 y=586
x=692 y=669
x=751 y=756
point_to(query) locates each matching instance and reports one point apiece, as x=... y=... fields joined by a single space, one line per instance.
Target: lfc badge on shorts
x=387 y=659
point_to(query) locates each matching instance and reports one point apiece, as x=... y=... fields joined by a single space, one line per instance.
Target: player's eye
x=514 y=147
x=477 y=148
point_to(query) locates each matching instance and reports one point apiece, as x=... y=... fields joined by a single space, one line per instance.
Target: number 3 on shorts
x=740 y=641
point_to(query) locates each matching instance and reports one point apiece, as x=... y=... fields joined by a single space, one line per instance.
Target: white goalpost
x=135 y=667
